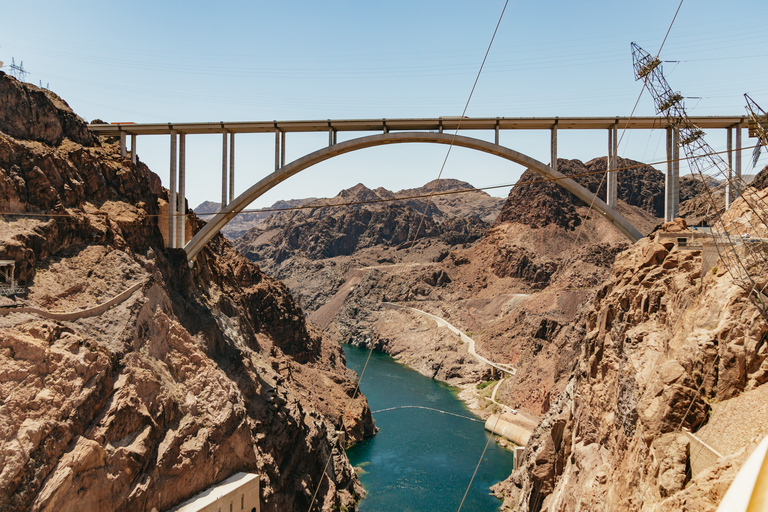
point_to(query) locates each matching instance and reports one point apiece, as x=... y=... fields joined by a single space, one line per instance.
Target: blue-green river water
x=421 y=460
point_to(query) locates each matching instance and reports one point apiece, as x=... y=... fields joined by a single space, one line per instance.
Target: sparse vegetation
x=485 y=384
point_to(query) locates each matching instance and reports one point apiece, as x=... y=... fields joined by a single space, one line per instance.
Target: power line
x=428 y=409
x=394 y=199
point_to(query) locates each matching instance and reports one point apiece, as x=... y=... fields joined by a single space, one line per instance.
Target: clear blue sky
x=164 y=61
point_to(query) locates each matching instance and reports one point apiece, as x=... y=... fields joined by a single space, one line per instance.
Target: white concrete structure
x=505 y=426
x=197 y=243
x=238 y=493
x=397 y=127
x=749 y=491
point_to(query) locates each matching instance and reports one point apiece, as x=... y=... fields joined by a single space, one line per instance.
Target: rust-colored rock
x=662 y=344
x=199 y=374
x=31 y=113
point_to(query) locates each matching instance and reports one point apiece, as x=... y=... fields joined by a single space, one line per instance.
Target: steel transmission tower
x=740 y=236
x=758 y=127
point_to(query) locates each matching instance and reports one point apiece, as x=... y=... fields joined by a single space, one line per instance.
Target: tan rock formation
x=199 y=374
x=662 y=343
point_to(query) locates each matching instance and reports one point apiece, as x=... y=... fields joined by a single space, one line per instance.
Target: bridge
x=410 y=130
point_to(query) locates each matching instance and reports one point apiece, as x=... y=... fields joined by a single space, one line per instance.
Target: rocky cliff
x=359 y=221
x=516 y=290
x=243 y=222
x=197 y=374
x=667 y=349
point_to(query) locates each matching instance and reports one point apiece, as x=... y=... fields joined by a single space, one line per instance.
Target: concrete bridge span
x=196 y=244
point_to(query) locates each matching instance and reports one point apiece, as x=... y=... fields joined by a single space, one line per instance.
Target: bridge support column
x=611 y=191
x=729 y=175
x=134 y=158
x=553 y=147
x=497 y=133
x=737 y=168
x=277 y=149
x=224 y=170
x=181 y=198
x=122 y=144
x=282 y=149
x=231 y=166
x=172 y=195
x=672 y=177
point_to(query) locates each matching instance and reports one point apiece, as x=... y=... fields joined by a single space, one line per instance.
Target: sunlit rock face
x=197 y=374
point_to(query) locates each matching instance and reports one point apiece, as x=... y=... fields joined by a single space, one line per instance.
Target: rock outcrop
x=200 y=373
x=30 y=113
x=538 y=203
x=243 y=222
x=360 y=221
x=662 y=344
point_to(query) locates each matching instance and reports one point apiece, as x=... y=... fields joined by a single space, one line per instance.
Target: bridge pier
x=552 y=146
x=223 y=170
x=225 y=199
x=672 y=176
x=177 y=200
x=611 y=189
x=122 y=145
x=731 y=192
x=279 y=148
x=172 y=195
x=181 y=197
x=231 y=166
x=134 y=158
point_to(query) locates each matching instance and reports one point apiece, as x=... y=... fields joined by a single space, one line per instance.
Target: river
x=421 y=460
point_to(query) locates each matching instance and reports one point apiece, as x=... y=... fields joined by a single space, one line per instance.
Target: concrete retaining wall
x=515 y=433
x=238 y=493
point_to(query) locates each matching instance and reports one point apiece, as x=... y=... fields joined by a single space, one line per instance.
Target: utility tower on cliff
x=18 y=72
x=740 y=237
x=758 y=127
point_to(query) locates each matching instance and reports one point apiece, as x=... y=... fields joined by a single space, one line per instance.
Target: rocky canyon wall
x=666 y=350
x=199 y=374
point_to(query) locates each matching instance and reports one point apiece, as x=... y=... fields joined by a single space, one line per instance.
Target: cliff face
x=198 y=374
x=546 y=203
x=30 y=113
x=517 y=290
x=348 y=228
x=665 y=349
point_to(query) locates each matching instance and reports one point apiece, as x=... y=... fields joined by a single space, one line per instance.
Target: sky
x=193 y=61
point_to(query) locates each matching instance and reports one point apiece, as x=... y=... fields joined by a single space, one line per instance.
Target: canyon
x=131 y=381
x=191 y=376
x=622 y=351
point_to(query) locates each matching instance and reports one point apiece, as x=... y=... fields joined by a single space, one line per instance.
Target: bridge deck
x=430 y=124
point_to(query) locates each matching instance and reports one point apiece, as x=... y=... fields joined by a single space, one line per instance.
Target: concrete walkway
x=464 y=338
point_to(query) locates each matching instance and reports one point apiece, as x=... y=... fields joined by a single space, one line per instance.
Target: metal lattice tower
x=18 y=72
x=740 y=235
x=758 y=127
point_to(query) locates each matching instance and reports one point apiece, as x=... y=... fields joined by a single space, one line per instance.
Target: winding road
x=464 y=338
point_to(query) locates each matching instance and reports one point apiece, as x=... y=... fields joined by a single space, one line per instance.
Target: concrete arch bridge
x=400 y=131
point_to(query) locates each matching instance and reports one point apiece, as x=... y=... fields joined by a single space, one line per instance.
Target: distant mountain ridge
x=245 y=221
x=372 y=219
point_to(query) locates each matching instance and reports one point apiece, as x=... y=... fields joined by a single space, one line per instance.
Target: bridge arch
x=196 y=244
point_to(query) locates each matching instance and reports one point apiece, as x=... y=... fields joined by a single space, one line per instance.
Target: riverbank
x=439 y=351
x=424 y=455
